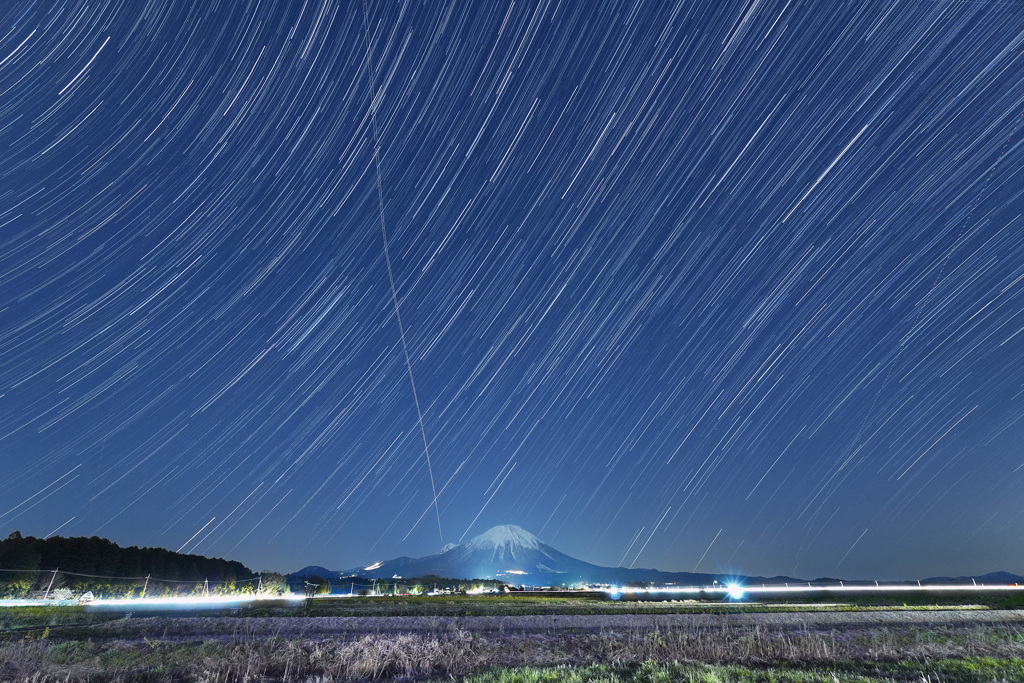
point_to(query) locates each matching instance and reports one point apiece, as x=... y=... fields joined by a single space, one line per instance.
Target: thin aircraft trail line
x=387 y=259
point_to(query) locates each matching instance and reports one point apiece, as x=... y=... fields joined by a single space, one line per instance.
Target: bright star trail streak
x=192 y=537
x=746 y=272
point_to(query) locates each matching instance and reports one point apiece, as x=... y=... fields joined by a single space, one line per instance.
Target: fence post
x=51 y=583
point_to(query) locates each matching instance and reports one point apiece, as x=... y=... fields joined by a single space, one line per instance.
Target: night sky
x=725 y=286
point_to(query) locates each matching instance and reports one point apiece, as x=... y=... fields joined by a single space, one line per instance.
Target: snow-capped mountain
x=510 y=553
x=501 y=540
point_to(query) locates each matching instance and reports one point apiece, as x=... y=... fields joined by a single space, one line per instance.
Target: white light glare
x=191 y=602
x=735 y=591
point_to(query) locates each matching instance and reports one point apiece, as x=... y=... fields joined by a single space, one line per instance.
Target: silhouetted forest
x=105 y=568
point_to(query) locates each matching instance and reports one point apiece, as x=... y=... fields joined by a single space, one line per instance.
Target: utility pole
x=206 y=588
x=51 y=584
x=145 y=585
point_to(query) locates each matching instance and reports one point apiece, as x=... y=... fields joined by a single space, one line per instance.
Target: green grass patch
x=970 y=670
x=23 y=617
x=65 y=621
x=512 y=605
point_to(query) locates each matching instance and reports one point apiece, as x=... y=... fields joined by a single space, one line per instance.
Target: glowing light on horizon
x=190 y=602
x=736 y=592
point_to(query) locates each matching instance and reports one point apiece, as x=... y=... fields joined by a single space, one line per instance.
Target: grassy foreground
x=919 y=655
x=71 y=645
x=208 y=662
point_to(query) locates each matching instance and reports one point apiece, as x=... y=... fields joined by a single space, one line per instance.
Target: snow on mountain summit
x=504 y=536
x=510 y=553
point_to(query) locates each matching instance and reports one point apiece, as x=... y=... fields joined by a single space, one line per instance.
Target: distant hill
x=313 y=570
x=99 y=564
x=511 y=554
x=992 y=577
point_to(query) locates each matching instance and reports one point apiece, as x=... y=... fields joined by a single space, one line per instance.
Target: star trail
x=729 y=284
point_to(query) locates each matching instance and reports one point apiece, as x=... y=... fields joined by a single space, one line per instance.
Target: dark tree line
x=102 y=566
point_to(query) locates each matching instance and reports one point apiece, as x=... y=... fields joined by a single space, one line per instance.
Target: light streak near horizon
x=59 y=528
x=734 y=590
x=708 y=549
x=196 y=534
x=731 y=590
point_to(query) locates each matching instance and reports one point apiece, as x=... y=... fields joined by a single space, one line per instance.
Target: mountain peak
x=505 y=535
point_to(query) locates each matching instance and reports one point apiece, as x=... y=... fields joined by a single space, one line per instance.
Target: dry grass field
x=491 y=640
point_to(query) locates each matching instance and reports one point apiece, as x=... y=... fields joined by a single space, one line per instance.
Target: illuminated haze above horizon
x=713 y=286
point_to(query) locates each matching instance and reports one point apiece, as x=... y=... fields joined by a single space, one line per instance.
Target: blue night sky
x=728 y=285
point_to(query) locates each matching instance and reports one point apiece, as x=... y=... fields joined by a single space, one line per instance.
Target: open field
x=500 y=640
